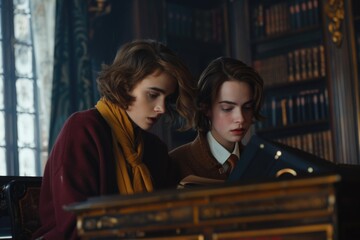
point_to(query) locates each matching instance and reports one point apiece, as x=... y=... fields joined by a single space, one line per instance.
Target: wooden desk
x=300 y=208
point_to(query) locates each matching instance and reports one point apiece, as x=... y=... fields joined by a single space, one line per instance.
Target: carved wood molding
x=335 y=11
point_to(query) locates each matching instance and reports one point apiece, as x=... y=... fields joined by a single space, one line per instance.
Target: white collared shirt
x=218 y=151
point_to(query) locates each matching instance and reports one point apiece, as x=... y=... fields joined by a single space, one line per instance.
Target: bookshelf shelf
x=294 y=129
x=293 y=87
x=310 y=33
x=282 y=44
x=288 y=50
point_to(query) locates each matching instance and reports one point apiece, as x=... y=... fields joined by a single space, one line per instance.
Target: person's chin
x=237 y=138
x=147 y=125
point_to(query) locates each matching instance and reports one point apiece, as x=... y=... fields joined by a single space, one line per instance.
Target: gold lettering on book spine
x=335 y=11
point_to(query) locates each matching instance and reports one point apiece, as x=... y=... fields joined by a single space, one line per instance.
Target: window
x=20 y=138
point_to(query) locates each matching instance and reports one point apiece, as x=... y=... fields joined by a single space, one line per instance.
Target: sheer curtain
x=43 y=25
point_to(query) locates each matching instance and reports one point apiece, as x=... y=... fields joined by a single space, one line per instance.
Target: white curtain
x=43 y=25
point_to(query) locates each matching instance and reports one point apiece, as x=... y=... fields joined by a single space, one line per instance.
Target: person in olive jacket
x=109 y=149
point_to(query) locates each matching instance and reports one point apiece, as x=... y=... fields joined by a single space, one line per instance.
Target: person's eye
x=226 y=109
x=153 y=95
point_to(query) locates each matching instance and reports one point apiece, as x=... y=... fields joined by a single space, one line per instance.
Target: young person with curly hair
x=109 y=149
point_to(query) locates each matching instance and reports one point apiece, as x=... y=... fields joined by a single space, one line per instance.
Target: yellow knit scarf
x=125 y=149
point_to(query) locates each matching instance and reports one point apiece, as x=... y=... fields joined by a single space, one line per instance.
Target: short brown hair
x=216 y=73
x=138 y=59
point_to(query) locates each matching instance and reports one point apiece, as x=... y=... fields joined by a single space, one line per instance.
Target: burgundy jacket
x=81 y=165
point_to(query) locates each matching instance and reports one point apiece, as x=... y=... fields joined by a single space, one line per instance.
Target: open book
x=193 y=181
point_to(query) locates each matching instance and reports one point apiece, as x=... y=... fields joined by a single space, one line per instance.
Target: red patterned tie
x=231 y=162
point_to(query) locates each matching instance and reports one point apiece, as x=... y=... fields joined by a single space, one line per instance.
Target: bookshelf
x=268 y=34
x=289 y=53
x=198 y=32
x=304 y=51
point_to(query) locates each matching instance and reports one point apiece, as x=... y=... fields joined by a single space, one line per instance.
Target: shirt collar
x=218 y=151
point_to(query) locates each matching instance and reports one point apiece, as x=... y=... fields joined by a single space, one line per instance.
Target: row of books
x=318 y=143
x=284 y=16
x=307 y=106
x=198 y=24
x=298 y=65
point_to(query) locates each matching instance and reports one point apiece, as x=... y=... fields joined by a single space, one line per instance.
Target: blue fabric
x=72 y=88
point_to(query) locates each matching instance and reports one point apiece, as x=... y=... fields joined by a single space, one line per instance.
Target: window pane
x=27 y=166
x=1 y=58
x=22 y=27
x=26 y=131
x=21 y=5
x=0 y=19
x=25 y=95
x=2 y=129
x=1 y=92
x=2 y=162
x=23 y=60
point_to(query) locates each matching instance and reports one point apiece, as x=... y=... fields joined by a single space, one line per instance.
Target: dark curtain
x=72 y=88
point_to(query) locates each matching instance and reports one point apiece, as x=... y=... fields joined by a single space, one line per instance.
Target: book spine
x=297 y=65
x=303 y=108
x=309 y=63
x=322 y=61
x=297 y=109
x=322 y=105
x=329 y=143
x=326 y=98
x=316 y=71
x=292 y=16
x=290 y=63
x=284 y=113
x=303 y=64
x=310 y=13
x=268 y=23
x=298 y=14
x=303 y=13
x=316 y=12
x=315 y=100
x=290 y=109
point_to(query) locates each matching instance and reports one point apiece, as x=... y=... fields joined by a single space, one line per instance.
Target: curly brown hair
x=136 y=60
x=216 y=73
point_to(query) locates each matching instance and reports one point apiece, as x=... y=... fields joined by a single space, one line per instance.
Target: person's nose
x=160 y=107
x=239 y=118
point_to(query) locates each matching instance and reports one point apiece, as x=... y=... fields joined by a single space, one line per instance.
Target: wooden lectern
x=307 y=208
